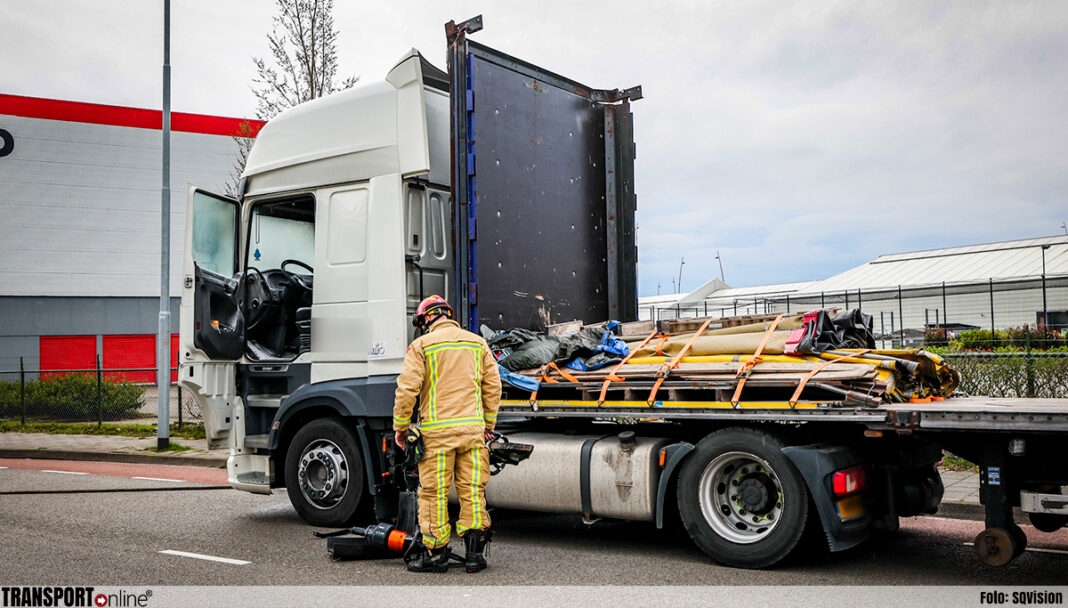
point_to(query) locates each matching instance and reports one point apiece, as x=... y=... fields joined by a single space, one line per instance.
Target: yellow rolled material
x=720 y=345
x=727 y=359
x=788 y=323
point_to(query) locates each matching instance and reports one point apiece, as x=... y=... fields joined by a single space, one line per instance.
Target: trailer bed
x=957 y=414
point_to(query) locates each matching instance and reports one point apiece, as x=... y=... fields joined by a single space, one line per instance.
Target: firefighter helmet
x=429 y=310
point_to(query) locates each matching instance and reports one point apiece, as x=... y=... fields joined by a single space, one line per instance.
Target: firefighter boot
x=430 y=560
x=475 y=542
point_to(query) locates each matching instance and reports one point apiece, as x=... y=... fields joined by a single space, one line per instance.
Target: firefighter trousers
x=463 y=459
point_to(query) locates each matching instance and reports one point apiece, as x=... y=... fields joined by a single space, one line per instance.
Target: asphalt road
x=107 y=528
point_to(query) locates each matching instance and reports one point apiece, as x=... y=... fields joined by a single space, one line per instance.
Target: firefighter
x=454 y=375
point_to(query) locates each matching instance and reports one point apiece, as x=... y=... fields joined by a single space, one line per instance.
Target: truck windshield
x=282 y=231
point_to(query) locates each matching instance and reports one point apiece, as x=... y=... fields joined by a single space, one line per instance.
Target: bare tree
x=302 y=66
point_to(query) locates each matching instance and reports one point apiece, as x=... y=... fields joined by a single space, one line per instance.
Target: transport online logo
x=47 y=597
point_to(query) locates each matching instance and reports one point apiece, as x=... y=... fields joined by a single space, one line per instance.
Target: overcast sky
x=797 y=139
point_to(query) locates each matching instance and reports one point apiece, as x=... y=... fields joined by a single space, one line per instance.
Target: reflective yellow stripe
x=441 y=490
x=449 y=422
x=476 y=471
x=491 y=416
x=433 y=406
x=478 y=383
x=433 y=348
x=403 y=421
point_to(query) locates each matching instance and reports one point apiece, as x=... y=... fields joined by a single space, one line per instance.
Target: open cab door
x=212 y=327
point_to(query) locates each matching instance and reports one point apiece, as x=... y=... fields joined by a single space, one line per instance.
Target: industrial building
x=989 y=286
x=80 y=202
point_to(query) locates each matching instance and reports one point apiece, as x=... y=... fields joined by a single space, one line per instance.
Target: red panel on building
x=130 y=352
x=95 y=113
x=174 y=357
x=67 y=353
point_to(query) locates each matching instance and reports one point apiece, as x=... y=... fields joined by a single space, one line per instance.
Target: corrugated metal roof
x=952 y=265
x=730 y=293
x=765 y=290
x=974 y=263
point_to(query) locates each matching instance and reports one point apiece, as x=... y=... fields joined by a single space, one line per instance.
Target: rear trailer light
x=849 y=481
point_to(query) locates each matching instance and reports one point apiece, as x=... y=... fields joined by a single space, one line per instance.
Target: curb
x=188 y=461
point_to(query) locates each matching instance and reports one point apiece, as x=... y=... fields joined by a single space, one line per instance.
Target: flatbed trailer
x=972 y=414
x=1015 y=442
x=509 y=189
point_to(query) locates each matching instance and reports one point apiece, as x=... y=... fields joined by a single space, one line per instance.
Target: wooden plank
x=636 y=329
x=560 y=329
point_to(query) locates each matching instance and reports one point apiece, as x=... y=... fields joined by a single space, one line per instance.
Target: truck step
x=264 y=400
x=256 y=441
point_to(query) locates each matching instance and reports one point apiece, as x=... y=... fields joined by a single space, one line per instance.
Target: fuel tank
x=595 y=475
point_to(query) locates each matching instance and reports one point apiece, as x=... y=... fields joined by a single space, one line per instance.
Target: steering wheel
x=258 y=297
x=296 y=278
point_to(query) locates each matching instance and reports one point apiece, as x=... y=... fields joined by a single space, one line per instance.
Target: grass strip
x=188 y=431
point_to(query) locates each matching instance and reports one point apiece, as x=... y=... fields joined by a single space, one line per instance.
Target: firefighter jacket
x=454 y=374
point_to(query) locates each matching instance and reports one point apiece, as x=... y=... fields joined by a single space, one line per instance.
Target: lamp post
x=163 y=338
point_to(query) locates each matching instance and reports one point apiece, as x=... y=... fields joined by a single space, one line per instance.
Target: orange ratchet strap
x=566 y=375
x=747 y=367
x=818 y=369
x=660 y=345
x=543 y=376
x=670 y=365
x=612 y=377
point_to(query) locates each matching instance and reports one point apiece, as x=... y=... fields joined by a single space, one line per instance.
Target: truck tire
x=741 y=500
x=325 y=474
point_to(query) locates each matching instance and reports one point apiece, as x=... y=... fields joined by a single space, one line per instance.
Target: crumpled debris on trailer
x=587 y=349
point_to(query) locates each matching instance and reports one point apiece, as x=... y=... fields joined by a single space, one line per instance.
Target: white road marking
x=64 y=472
x=210 y=558
x=3 y=467
x=159 y=479
x=1035 y=549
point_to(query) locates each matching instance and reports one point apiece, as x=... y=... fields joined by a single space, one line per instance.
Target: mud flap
x=817 y=463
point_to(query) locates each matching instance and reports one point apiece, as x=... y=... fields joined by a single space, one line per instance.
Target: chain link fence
x=902 y=315
x=89 y=395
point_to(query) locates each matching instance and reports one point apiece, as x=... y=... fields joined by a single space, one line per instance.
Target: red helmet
x=429 y=309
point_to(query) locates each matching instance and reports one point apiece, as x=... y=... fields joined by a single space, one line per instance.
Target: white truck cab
x=304 y=281
x=501 y=186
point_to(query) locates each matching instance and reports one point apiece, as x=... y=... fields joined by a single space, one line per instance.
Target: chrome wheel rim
x=741 y=497
x=323 y=474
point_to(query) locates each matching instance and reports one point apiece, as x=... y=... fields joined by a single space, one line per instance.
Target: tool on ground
x=377 y=541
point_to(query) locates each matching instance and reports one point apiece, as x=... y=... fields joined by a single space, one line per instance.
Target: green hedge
x=1007 y=376
x=1016 y=337
x=72 y=397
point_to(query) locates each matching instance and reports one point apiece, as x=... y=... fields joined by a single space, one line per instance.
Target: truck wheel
x=324 y=473
x=741 y=500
